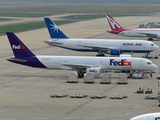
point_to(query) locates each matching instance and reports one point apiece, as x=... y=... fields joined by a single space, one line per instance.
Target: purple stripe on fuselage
x=29 y=61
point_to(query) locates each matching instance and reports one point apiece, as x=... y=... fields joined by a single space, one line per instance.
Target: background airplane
x=102 y=46
x=117 y=29
x=149 y=116
x=24 y=56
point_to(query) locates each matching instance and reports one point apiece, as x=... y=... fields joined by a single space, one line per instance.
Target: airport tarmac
x=25 y=91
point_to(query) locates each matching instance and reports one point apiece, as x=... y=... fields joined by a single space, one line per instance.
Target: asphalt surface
x=25 y=91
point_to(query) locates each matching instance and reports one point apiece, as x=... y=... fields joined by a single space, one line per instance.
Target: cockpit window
x=152 y=44
x=149 y=63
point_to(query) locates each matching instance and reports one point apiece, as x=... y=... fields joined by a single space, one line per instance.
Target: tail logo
x=93 y=70
x=113 y=23
x=54 y=28
x=18 y=47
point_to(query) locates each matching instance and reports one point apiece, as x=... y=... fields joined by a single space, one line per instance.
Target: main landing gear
x=150 y=38
x=80 y=73
x=147 y=55
x=100 y=54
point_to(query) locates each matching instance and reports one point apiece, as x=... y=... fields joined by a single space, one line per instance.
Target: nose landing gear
x=100 y=54
x=150 y=38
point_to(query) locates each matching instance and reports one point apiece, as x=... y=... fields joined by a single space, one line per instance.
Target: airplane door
x=141 y=64
x=144 y=45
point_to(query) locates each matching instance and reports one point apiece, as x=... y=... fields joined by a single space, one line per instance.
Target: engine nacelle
x=95 y=70
x=115 y=52
x=158 y=36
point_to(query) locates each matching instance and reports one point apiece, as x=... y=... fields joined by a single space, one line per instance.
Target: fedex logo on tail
x=123 y=62
x=113 y=23
x=18 y=47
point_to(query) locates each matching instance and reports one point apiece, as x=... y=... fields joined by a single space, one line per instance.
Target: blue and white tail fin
x=53 y=29
x=18 y=47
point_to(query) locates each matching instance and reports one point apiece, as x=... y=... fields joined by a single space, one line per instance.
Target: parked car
x=158 y=77
x=137 y=75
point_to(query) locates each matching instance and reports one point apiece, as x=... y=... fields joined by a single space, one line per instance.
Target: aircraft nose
x=156 y=47
x=154 y=67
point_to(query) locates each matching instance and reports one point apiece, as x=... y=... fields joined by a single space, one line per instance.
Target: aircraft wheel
x=100 y=55
x=150 y=38
x=81 y=75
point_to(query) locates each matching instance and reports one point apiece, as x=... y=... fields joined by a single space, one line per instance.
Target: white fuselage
x=140 y=32
x=149 y=116
x=139 y=46
x=105 y=63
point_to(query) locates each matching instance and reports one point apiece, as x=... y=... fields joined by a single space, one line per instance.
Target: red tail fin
x=113 y=24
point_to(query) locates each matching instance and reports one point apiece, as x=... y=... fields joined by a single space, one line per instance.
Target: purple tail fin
x=18 y=47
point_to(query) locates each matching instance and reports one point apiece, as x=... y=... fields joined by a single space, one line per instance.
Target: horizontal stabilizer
x=111 y=31
x=17 y=60
x=53 y=42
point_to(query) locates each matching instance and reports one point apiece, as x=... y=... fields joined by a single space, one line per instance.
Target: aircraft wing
x=77 y=65
x=149 y=34
x=98 y=47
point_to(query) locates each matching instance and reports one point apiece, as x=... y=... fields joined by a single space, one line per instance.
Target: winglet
x=53 y=29
x=18 y=47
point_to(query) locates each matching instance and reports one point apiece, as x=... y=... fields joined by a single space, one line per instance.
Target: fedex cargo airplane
x=117 y=29
x=23 y=56
x=102 y=46
x=149 y=116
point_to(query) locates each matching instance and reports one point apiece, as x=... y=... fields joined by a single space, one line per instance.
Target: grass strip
x=86 y=16
x=23 y=14
x=26 y=26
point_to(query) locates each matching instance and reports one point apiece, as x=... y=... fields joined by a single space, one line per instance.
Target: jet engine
x=114 y=51
x=158 y=36
x=95 y=70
